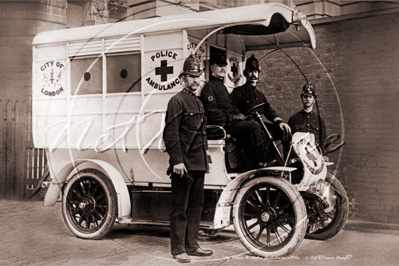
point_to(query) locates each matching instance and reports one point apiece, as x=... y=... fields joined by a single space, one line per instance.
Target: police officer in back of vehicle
x=186 y=143
x=245 y=97
x=220 y=111
x=307 y=120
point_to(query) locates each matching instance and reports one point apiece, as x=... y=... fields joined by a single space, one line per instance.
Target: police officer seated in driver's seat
x=245 y=97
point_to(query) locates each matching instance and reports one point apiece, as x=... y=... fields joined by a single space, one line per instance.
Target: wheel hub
x=265 y=216
x=86 y=203
x=83 y=205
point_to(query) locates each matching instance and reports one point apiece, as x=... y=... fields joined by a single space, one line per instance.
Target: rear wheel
x=269 y=217
x=322 y=225
x=89 y=204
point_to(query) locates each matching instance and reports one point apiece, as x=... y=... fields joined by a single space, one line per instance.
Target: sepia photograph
x=205 y=132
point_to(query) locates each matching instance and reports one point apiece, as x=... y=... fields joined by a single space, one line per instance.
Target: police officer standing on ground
x=219 y=110
x=186 y=143
x=247 y=96
x=307 y=120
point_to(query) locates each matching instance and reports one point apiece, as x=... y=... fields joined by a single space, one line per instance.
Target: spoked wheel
x=89 y=204
x=322 y=225
x=269 y=217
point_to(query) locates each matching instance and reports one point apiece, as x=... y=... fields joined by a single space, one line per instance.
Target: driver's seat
x=236 y=159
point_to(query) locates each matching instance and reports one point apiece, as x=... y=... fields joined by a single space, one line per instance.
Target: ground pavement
x=35 y=235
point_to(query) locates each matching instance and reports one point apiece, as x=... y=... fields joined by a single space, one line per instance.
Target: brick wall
x=355 y=69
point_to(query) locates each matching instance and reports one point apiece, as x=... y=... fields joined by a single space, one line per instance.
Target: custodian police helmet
x=252 y=64
x=308 y=89
x=192 y=66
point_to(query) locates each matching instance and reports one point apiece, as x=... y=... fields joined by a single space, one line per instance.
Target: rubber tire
x=339 y=220
x=300 y=217
x=110 y=200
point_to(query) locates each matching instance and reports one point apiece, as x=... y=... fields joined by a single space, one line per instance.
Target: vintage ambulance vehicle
x=99 y=99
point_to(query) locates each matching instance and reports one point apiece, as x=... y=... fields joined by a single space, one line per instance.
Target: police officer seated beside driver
x=220 y=111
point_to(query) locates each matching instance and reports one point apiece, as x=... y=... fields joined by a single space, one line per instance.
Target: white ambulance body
x=100 y=93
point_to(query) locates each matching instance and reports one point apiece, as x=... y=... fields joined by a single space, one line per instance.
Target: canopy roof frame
x=247 y=16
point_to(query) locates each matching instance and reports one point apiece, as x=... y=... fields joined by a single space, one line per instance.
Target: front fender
x=124 y=206
x=226 y=200
x=330 y=179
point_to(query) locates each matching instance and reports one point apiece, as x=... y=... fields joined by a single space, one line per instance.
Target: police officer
x=247 y=96
x=307 y=120
x=220 y=111
x=186 y=143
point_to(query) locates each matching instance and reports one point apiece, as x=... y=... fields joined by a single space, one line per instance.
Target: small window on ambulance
x=86 y=75
x=123 y=73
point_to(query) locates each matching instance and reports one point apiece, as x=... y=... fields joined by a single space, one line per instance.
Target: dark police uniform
x=220 y=112
x=247 y=96
x=217 y=104
x=185 y=131
x=186 y=142
x=309 y=122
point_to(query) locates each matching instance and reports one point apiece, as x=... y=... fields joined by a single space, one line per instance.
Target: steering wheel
x=253 y=108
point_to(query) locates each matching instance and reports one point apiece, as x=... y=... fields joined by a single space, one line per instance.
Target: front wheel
x=322 y=225
x=269 y=217
x=89 y=204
